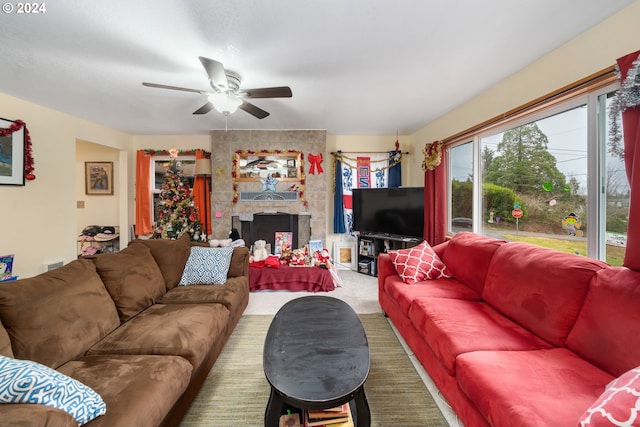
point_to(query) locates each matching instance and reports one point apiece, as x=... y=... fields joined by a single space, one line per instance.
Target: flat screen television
x=397 y=211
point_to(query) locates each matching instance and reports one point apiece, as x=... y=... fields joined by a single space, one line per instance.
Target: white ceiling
x=364 y=67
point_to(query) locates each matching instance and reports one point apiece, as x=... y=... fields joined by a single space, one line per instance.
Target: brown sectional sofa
x=119 y=324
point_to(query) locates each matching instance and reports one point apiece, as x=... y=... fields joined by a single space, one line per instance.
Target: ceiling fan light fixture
x=225 y=103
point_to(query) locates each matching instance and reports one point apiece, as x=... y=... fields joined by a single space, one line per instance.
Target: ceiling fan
x=227 y=96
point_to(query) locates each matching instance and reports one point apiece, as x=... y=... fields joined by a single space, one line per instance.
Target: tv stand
x=370 y=245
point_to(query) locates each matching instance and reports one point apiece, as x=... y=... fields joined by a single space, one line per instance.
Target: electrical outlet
x=80 y=204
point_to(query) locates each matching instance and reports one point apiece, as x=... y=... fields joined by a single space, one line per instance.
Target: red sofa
x=520 y=335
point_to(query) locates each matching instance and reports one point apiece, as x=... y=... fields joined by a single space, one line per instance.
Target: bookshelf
x=370 y=245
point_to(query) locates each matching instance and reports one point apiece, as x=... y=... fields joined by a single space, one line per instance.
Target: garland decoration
x=234 y=175
x=28 y=149
x=628 y=96
x=396 y=156
x=432 y=155
x=173 y=151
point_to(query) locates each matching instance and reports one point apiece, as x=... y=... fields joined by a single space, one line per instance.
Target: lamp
x=225 y=103
x=203 y=169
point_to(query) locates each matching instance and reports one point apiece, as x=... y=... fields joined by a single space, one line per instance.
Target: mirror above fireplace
x=257 y=165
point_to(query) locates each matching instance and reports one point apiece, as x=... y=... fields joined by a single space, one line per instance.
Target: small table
x=316 y=356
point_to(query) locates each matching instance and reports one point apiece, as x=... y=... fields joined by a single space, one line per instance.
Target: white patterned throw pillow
x=619 y=404
x=418 y=263
x=25 y=381
x=207 y=266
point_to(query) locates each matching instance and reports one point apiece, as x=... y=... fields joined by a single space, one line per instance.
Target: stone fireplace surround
x=312 y=219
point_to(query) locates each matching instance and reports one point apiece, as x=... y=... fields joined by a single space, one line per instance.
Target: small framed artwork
x=98 y=178
x=11 y=155
x=344 y=255
x=315 y=245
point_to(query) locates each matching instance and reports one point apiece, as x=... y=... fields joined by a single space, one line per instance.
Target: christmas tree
x=176 y=212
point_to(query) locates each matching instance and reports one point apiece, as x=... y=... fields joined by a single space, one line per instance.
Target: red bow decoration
x=314 y=162
x=28 y=153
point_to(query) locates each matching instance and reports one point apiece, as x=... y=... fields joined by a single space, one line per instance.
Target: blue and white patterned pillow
x=207 y=266
x=25 y=381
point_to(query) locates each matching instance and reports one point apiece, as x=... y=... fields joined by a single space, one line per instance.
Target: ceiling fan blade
x=204 y=109
x=184 y=89
x=253 y=110
x=216 y=73
x=268 y=92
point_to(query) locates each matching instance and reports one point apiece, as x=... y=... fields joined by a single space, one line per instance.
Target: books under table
x=339 y=416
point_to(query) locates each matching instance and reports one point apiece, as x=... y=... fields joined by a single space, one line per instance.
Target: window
x=545 y=177
x=461 y=186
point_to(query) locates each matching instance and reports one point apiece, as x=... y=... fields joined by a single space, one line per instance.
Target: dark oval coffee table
x=316 y=356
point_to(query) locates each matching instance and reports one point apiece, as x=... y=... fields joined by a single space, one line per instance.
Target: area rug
x=236 y=392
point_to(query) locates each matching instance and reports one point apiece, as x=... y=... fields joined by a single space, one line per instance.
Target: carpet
x=236 y=392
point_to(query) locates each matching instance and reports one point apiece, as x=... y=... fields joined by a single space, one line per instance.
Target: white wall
x=592 y=51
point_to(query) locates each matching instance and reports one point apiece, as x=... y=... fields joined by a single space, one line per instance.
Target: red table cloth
x=285 y=278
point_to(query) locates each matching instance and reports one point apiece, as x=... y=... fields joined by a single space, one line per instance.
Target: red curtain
x=201 y=199
x=631 y=134
x=435 y=203
x=144 y=220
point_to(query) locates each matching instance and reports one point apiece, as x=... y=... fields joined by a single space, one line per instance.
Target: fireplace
x=263 y=226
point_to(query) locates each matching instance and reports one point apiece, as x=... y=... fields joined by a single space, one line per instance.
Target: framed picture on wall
x=98 y=177
x=11 y=154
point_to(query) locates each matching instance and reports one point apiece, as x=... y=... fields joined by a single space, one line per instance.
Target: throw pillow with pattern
x=25 y=381
x=206 y=266
x=418 y=263
x=619 y=405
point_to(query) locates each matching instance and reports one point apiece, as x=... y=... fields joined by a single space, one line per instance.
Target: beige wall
x=592 y=51
x=98 y=209
x=39 y=220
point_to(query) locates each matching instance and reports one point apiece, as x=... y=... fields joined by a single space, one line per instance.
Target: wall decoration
x=257 y=165
x=12 y=154
x=268 y=165
x=98 y=178
x=314 y=163
x=432 y=155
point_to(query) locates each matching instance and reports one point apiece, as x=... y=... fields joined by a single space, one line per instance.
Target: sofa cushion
x=404 y=294
x=530 y=388
x=186 y=330
x=5 y=343
x=542 y=289
x=452 y=327
x=138 y=390
x=418 y=263
x=468 y=255
x=27 y=415
x=239 y=265
x=25 y=381
x=57 y=316
x=619 y=405
x=233 y=294
x=132 y=278
x=170 y=255
x=206 y=266
x=606 y=331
